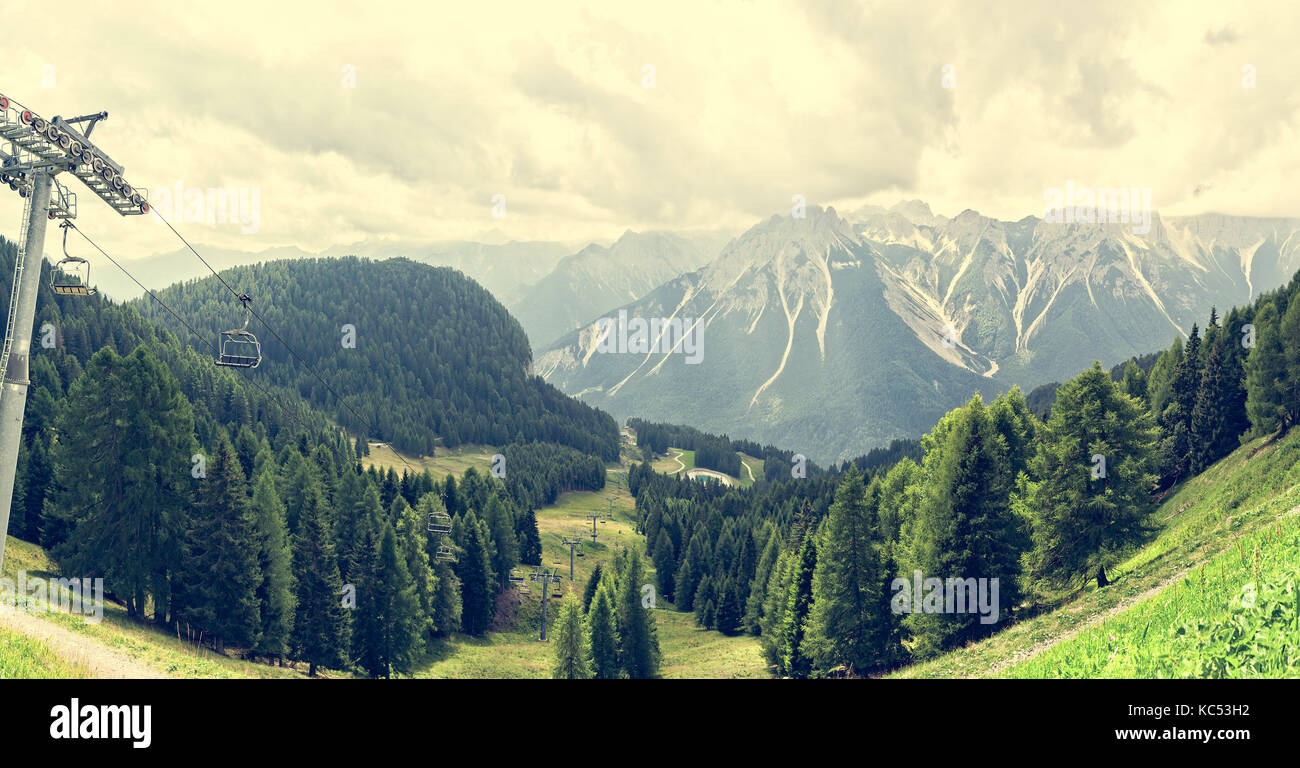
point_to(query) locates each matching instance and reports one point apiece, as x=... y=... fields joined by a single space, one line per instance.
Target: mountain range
x=832 y=335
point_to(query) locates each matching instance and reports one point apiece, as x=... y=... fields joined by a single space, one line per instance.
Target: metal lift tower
x=33 y=151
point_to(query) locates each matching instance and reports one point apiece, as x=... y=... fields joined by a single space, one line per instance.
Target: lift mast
x=33 y=151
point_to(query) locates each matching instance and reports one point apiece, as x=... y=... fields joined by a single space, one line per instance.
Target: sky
x=339 y=122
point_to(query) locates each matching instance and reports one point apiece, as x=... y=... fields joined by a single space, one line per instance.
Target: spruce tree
x=1266 y=374
x=571 y=643
x=122 y=479
x=321 y=629
x=389 y=625
x=593 y=583
x=222 y=569
x=849 y=626
x=275 y=594
x=477 y=586
x=965 y=528
x=638 y=640
x=794 y=659
x=1088 y=511
x=412 y=535
x=604 y=635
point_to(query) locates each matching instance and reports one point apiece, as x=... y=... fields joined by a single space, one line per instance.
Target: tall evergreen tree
x=1087 y=512
x=638 y=640
x=222 y=573
x=571 y=643
x=275 y=596
x=477 y=586
x=604 y=635
x=123 y=459
x=1266 y=374
x=321 y=629
x=849 y=626
x=388 y=625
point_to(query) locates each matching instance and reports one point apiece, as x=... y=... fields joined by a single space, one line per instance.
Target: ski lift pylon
x=71 y=275
x=238 y=348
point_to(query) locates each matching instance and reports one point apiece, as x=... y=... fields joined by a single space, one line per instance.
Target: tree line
x=870 y=570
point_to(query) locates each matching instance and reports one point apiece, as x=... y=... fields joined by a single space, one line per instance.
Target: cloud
x=753 y=102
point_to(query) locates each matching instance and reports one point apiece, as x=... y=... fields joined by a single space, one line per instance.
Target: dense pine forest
x=238 y=515
x=1041 y=498
x=422 y=356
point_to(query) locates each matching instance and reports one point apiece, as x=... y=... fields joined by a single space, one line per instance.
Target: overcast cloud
x=753 y=102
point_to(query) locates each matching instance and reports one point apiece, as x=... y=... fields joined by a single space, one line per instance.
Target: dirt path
x=681 y=465
x=745 y=464
x=101 y=660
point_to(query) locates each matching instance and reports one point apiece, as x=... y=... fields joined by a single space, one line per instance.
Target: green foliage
x=570 y=642
x=416 y=378
x=1083 y=522
x=222 y=575
x=321 y=632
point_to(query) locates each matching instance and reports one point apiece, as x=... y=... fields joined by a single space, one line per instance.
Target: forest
x=997 y=492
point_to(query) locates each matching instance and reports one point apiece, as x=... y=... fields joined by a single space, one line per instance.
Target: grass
x=444 y=461
x=1188 y=572
x=22 y=657
x=140 y=643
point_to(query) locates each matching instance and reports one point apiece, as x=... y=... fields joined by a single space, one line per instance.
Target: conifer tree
x=593 y=583
x=321 y=629
x=1266 y=374
x=477 y=585
x=849 y=625
x=275 y=594
x=412 y=535
x=794 y=660
x=638 y=640
x=222 y=573
x=571 y=643
x=1087 y=511
x=965 y=529
x=122 y=478
x=604 y=635
x=388 y=623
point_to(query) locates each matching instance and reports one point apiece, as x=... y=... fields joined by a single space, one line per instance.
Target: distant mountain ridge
x=841 y=333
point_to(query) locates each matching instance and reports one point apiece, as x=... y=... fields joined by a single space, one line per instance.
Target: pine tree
x=1266 y=374
x=604 y=635
x=530 y=541
x=571 y=643
x=222 y=570
x=752 y=622
x=794 y=660
x=638 y=641
x=1086 y=511
x=275 y=594
x=849 y=626
x=965 y=529
x=321 y=630
x=1212 y=425
x=593 y=583
x=477 y=586
x=1290 y=333
x=412 y=535
x=388 y=623
x=665 y=564
x=122 y=464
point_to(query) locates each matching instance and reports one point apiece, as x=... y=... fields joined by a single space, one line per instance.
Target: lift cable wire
x=285 y=412
x=244 y=299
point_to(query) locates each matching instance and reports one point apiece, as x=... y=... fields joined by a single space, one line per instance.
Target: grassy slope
x=144 y=645
x=687 y=650
x=24 y=657
x=1233 y=524
x=513 y=652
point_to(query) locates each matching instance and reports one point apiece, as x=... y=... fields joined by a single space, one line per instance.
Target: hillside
x=1173 y=606
x=435 y=360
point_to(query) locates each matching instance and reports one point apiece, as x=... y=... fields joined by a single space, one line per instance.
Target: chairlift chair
x=71 y=275
x=238 y=347
x=446 y=554
x=440 y=522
